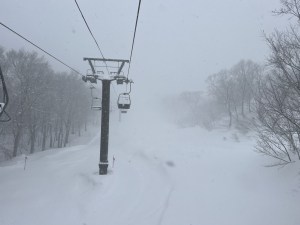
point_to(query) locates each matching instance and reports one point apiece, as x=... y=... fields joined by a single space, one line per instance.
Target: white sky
x=178 y=43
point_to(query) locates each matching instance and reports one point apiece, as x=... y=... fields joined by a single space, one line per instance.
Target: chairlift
x=120 y=78
x=117 y=77
x=1 y=106
x=119 y=81
x=90 y=78
x=4 y=101
x=96 y=101
x=124 y=102
x=96 y=104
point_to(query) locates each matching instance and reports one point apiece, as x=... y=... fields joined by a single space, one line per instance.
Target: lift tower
x=106 y=81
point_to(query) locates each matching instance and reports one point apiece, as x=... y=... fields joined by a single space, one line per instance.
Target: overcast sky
x=178 y=43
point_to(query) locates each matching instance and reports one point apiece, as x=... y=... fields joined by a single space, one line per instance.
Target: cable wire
x=88 y=27
x=40 y=48
x=136 y=22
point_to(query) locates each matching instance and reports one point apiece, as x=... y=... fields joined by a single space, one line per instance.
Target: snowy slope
x=163 y=175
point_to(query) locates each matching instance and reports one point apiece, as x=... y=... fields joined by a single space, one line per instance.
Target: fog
x=178 y=43
x=205 y=108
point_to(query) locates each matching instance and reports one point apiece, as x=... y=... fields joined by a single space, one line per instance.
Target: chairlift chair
x=90 y=78
x=1 y=106
x=96 y=102
x=124 y=102
x=120 y=81
x=120 y=78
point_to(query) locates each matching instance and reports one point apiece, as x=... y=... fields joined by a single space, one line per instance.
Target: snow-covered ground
x=163 y=175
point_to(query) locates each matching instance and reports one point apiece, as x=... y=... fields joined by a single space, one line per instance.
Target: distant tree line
x=235 y=89
x=193 y=108
x=230 y=94
x=45 y=107
x=265 y=98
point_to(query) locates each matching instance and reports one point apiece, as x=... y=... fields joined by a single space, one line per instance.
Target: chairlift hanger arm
x=121 y=67
x=130 y=82
x=92 y=66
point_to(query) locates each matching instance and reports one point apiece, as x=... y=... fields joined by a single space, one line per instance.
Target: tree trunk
x=17 y=138
x=79 y=130
x=32 y=142
x=249 y=105
x=51 y=137
x=236 y=113
x=66 y=141
x=44 y=139
x=243 y=113
x=230 y=117
x=73 y=129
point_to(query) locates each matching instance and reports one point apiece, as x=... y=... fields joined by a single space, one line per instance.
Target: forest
x=45 y=107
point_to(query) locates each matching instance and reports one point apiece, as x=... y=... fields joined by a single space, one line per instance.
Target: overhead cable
x=88 y=27
x=136 y=22
x=74 y=70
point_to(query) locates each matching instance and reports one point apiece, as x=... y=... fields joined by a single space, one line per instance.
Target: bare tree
x=277 y=129
x=222 y=86
x=25 y=71
x=289 y=7
x=278 y=99
x=44 y=105
x=246 y=74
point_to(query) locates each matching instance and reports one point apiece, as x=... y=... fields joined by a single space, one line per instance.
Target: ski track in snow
x=173 y=177
x=157 y=180
x=166 y=205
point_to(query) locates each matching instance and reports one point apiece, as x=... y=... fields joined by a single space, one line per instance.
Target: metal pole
x=103 y=164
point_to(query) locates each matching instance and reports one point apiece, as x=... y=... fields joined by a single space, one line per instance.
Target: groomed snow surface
x=163 y=175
